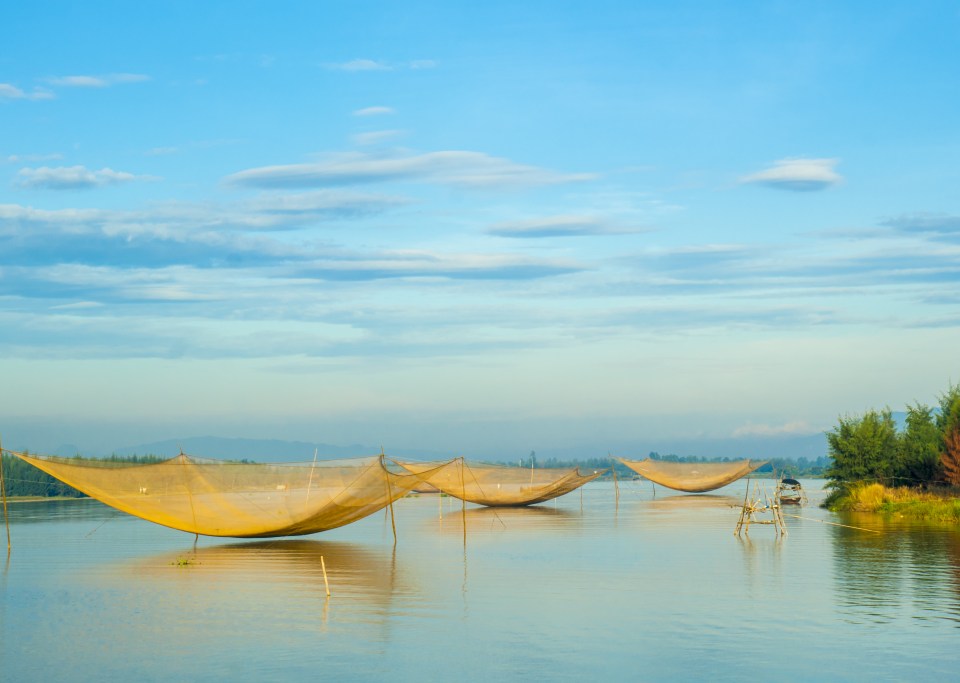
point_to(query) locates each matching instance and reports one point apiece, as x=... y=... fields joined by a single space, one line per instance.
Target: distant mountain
x=266 y=450
x=810 y=446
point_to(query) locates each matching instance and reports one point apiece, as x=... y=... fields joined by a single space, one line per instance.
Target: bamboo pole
x=323 y=565
x=393 y=523
x=616 y=486
x=312 y=468
x=3 y=489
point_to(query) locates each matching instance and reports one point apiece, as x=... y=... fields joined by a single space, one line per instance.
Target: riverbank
x=935 y=505
x=38 y=499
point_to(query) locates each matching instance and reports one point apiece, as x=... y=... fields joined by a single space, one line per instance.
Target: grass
x=938 y=506
x=184 y=562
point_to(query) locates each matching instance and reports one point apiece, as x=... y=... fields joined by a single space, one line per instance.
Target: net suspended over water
x=240 y=500
x=692 y=477
x=499 y=486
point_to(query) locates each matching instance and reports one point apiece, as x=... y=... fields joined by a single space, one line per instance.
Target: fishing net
x=499 y=486
x=237 y=499
x=692 y=477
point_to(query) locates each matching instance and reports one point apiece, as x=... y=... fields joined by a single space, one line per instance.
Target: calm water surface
x=656 y=587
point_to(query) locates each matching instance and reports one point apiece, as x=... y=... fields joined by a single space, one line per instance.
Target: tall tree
x=948 y=420
x=920 y=447
x=863 y=448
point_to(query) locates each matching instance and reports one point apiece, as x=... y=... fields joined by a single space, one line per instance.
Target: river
x=652 y=587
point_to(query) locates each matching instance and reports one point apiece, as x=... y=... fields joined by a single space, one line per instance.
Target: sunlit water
x=656 y=587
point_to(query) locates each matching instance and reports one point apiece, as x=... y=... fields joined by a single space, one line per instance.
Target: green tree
x=920 y=447
x=948 y=420
x=863 y=448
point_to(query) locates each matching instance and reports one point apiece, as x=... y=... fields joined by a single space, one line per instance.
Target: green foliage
x=920 y=447
x=863 y=448
x=948 y=419
x=23 y=479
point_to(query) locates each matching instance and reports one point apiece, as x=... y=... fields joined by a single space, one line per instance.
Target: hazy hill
x=266 y=450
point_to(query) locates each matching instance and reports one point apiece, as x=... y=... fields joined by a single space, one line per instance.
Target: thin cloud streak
x=102 y=81
x=459 y=168
x=12 y=92
x=73 y=178
x=558 y=226
x=797 y=175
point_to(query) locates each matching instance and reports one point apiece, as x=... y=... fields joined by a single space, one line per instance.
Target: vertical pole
x=386 y=475
x=3 y=489
x=312 y=468
x=326 y=583
x=463 y=506
x=616 y=486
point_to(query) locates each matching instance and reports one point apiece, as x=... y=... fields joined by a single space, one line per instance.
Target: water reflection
x=354 y=570
x=71 y=509
x=486 y=519
x=909 y=570
x=693 y=501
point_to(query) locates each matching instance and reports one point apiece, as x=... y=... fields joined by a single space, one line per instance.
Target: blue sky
x=474 y=227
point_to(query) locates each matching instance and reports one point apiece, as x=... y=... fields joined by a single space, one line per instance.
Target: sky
x=479 y=227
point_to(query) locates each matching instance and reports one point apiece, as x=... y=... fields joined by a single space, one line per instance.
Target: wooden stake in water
x=393 y=523
x=326 y=584
x=3 y=491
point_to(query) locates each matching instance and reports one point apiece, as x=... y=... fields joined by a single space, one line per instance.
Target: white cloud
x=798 y=175
x=557 y=226
x=360 y=65
x=72 y=177
x=462 y=168
x=376 y=65
x=11 y=92
x=102 y=81
x=32 y=158
x=373 y=111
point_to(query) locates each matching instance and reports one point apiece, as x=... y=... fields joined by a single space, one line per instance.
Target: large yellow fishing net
x=692 y=477
x=499 y=486
x=241 y=500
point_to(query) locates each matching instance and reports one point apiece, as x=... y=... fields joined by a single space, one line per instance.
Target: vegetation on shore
x=25 y=482
x=914 y=472
x=938 y=505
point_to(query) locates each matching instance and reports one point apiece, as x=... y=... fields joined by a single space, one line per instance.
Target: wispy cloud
x=12 y=92
x=32 y=158
x=73 y=178
x=379 y=65
x=373 y=111
x=797 y=175
x=417 y=265
x=360 y=65
x=180 y=220
x=939 y=225
x=101 y=81
x=558 y=226
x=461 y=168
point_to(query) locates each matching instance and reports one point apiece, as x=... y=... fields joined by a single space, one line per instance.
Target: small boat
x=790 y=492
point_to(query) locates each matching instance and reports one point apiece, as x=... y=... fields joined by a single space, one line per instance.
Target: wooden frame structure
x=760 y=509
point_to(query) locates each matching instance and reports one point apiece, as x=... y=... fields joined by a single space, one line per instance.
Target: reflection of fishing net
x=692 y=477
x=242 y=500
x=499 y=486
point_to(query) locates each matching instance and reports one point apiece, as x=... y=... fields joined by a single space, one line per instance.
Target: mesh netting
x=499 y=486
x=240 y=500
x=692 y=477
